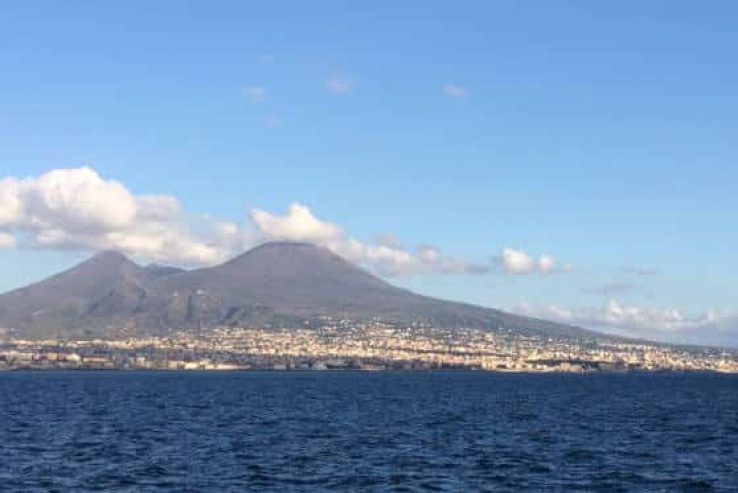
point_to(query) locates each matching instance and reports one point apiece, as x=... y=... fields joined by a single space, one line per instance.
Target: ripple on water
x=456 y=431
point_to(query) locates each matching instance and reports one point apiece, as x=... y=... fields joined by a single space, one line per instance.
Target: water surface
x=365 y=431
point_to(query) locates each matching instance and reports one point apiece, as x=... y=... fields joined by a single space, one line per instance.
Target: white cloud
x=388 y=239
x=514 y=261
x=340 y=84
x=10 y=203
x=299 y=224
x=546 y=264
x=383 y=259
x=428 y=254
x=395 y=260
x=455 y=91
x=7 y=241
x=255 y=94
x=388 y=257
x=157 y=207
x=664 y=324
x=79 y=199
x=77 y=209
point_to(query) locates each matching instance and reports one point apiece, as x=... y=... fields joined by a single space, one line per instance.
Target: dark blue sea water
x=352 y=431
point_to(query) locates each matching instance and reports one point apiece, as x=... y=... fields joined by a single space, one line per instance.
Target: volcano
x=275 y=284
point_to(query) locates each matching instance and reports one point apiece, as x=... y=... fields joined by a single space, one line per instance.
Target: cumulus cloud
x=255 y=94
x=388 y=257
x=7 y=241
x=663 y=324
x=516 y=261
x=299 y=224
x=455 y=91
x=385 y=260
x=428 y=254
x=340 y=84
x=512 y=261
x=77 y=209
x=388 y=239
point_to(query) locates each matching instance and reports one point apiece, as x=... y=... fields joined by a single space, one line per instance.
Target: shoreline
x=360 y=370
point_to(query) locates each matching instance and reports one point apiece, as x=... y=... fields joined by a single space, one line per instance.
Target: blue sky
x=601 y=135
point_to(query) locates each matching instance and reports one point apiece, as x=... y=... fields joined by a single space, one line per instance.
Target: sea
x=367 y=431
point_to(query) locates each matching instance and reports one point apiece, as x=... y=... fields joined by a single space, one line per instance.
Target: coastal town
x=329 y=344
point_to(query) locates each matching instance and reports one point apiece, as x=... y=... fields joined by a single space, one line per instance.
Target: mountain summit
x=273 y=284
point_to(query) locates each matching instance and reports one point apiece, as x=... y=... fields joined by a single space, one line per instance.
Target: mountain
x=163 y=270
x=275 y=284
x=101 y=292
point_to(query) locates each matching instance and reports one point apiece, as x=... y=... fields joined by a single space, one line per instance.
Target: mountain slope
x=163 y=270
x=276 y=283
x=101 y=292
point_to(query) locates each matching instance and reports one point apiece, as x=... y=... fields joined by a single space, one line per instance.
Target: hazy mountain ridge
x=275 y=283
x=163 y=270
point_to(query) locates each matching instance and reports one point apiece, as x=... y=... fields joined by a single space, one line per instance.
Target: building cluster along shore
x=346 y=344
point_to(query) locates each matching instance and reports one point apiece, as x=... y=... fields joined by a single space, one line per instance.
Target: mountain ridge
x=273 y=284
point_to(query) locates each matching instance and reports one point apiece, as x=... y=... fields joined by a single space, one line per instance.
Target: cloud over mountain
x=388 y=257
x=299 y=224
x=77 y=209
x=273 y=283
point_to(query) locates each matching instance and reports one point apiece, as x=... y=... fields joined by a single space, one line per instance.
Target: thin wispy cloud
x=611 y=289
x=388 y=239
x=340 y=84
x=273 y=121
x=7 y=241
x=639 y=271
x=455 y=91
x=255 y=94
